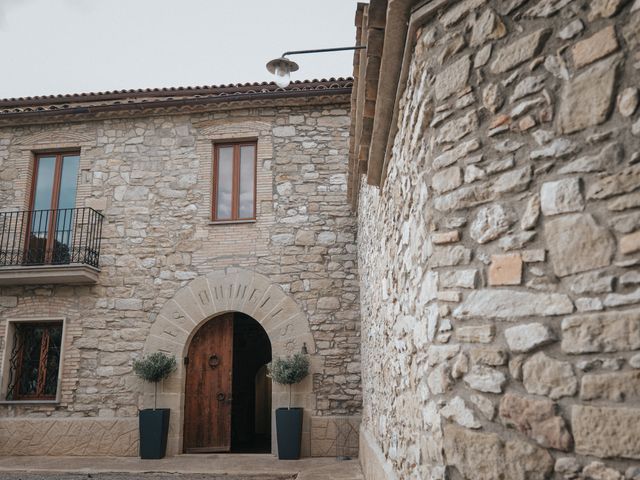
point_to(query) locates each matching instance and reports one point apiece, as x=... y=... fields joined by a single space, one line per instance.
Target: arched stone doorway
x=227 y=394
x=219 y=292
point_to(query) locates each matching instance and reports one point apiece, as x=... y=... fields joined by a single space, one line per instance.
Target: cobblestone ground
x=136 y=476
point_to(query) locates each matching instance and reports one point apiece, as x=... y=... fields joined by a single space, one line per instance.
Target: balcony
x=50 y=246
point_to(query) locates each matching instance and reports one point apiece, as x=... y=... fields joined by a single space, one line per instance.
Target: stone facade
x=150 y=175
x=499 y=258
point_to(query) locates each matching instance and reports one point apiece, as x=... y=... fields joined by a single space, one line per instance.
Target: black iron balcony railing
x=50 y=237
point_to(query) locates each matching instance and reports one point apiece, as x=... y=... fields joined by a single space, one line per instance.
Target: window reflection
x=225 y=183
x=247 y=174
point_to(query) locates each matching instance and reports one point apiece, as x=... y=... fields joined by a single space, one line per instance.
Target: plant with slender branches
x=289 y=370
x=153 y=368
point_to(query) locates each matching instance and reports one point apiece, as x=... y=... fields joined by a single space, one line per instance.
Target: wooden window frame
x=235 y=189
x=9 y=334
x=55 y=192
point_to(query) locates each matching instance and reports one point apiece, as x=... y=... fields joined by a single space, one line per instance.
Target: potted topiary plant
x=154 y=423
x=287 y=371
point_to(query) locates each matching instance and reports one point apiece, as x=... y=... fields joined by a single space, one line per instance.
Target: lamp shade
x=281 y=68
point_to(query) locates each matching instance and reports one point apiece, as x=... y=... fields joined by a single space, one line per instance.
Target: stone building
x=485 y=154
x=138 y=221
x=494 y=169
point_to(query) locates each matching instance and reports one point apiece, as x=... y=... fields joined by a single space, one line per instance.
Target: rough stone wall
x=151 y=177
x=499 y=262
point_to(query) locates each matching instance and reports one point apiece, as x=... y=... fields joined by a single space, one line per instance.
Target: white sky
x=70 y=46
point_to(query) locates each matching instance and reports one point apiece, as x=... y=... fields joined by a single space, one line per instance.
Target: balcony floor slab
x=68 y=274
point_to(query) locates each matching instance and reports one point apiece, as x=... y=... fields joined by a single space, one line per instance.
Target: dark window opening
x=35 y=361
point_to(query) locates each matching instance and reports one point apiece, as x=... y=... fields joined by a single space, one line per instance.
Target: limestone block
x=464 y=197
x=531 y=213
x=475 y=333
x=586 y=99
x=457 y=410
x=630 y=243
x=624 y=181
x=561 y=196
x=543 y=375
x=450 y=156
x=519 y=51
x=440 y=238
x=526 y=337
x=514 y=181
x=454 y=15
x=446 y=256
x=591 y=282
x=492 y=97
x=604 y=431
x=483 y=404
x=601 y=332
x=488 y=27
x=546 y=8
x=628 y=101
x=604 y=8
x=617 y=387
x=467 y=278
x=485 y=379
x=571 y=30
x=490 y=223
x=447 y=180
x=631 y=31
x=458 y=128
x=452 y=79
x=512 y=304
x=484 y=456
x=595 y=47
x=490 y=356
x=610 y=155
x=577 y=243
x=537 y=419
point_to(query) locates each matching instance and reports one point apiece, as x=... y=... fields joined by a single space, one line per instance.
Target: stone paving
x=190 y=467
x=141 y=476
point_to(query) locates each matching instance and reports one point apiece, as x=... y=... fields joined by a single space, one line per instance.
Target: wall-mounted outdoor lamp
x=282 y=67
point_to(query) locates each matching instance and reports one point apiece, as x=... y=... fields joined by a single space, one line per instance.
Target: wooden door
x=207 y=411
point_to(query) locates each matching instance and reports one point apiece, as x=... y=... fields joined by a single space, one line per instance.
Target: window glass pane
x=43 y=190
x=66 y=201
x=247 y=180
x=44 y=183
x=68 y=181
x=224 y=185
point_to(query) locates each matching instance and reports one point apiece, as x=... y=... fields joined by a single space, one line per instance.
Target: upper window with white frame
x=234 y=182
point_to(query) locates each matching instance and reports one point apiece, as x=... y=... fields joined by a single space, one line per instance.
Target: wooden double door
x=227 y=396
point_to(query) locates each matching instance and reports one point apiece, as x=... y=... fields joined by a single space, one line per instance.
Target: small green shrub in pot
x=289 y=370
x=154 y=423
x=154 y=368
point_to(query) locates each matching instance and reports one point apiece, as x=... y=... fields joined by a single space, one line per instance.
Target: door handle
x=220 y=397
x=214 y=361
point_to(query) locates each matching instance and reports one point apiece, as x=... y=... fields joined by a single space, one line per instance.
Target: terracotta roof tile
x=153 y=95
